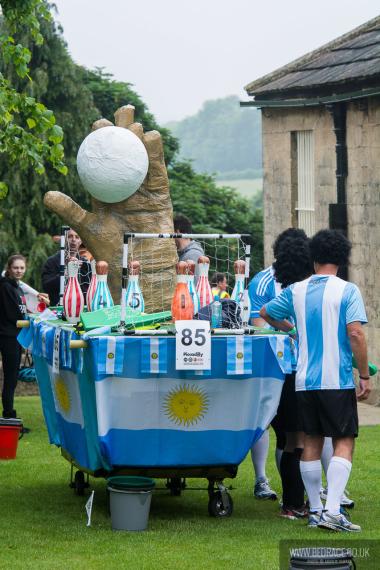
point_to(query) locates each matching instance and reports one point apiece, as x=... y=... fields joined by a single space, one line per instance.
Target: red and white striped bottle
x=92 y=288
x=73 y=301
x=203 y=286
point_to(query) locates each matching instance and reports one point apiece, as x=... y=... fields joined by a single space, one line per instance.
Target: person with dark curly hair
x=262 y=288
x=292 y=264
x=329 y=313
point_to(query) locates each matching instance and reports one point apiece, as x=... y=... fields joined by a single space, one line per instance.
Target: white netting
x=158 y=285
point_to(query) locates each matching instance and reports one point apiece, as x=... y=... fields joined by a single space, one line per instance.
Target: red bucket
x=9 y=435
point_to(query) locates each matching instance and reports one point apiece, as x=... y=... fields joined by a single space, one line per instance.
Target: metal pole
x=124 y=280
x=64 y=229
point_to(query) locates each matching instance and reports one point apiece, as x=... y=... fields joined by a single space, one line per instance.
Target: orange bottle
x=182 y=304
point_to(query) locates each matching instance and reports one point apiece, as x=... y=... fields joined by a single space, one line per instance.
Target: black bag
x=231 y=314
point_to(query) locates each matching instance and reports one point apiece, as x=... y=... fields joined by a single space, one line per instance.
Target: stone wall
x=277 y=125
x=363 y=190
x=363 y=198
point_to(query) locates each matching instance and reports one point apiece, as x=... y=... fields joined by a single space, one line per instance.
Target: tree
x=78 y=97
x=214 y=209
x=29 y=134
x=109 y=95
x=223 y=138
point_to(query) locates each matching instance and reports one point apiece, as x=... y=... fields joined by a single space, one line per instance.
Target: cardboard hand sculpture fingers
x=147 y=210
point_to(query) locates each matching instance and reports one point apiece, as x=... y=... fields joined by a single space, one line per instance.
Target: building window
x=302 y=181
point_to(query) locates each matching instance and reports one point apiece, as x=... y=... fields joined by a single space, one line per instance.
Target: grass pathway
x=43 y=524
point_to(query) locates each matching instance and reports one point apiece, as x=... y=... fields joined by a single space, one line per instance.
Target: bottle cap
x=181 y=268
x=134 y=267
x=239 y=267
x=101 y=268
x=216 y=298
x=190 y=266
x=203 y=259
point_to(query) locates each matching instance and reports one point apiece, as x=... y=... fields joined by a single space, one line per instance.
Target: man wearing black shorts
x=292 y=263
x=329 y=314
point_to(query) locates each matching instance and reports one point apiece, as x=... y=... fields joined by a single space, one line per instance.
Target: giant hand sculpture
x=148 y=210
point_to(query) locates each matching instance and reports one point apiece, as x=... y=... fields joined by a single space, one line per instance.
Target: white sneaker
x=262 y=490
x=337 y=522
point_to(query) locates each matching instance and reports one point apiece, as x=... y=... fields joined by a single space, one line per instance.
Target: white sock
x=278 y=454
x=338 y=474
x=327 y=453
x=311 y=472
x=259 y=454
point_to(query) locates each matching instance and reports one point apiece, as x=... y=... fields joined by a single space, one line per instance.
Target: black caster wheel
x=216 y=507
x=79 y=483
x=175 y=486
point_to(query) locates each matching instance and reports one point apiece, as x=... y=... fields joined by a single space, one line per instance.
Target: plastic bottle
x=182 y=304
x=216 y=313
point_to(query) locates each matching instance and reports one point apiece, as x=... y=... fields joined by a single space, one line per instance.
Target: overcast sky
x=178 y=54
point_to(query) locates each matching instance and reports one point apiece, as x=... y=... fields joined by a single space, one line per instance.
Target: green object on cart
x=143 y=320
x=111 y=317
x=372 y=367
x=102 y=317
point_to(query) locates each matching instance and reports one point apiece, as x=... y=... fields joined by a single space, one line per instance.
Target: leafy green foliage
x=28 y=133
x=78 y=97
x=215 y=209
x=222 y=138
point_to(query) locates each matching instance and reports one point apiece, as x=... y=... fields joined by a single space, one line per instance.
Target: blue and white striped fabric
x=262 y=289
x=110 y=355
x=112 y=415
x=239 y=355
x=66 y=354
x=43 y=338
x=154 y=355
x=182 y=422
x=322 y=306
x=102 y=298
x=280 y=346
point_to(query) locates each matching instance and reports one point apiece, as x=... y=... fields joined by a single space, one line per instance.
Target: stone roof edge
x=280 y=72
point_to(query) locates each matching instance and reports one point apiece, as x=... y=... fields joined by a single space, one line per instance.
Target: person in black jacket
x=51 y=269
x=12 y=308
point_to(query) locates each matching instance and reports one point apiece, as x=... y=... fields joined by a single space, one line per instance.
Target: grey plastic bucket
x=129 y=505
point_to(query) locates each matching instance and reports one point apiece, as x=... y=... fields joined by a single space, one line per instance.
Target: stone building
x=321 y=154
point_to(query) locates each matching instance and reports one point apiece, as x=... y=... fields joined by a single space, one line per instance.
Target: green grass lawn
x=43 y=523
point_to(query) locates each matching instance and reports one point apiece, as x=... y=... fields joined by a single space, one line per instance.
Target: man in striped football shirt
x=329 y=314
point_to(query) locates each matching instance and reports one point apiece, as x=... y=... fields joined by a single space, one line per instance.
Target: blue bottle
x=216 y=313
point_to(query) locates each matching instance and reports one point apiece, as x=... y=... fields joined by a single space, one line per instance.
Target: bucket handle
x=21 y=434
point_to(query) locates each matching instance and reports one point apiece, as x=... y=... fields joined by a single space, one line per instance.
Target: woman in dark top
x=12 y=308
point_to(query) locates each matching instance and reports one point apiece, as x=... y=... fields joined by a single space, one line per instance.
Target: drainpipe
x=338 y=219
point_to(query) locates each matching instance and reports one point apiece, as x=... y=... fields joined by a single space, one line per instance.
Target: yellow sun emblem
x=63 y=395
x=186 y=405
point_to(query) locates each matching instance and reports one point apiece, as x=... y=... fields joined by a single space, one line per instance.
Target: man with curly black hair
x=329 y=314
x=262 y=288
x=293 y=264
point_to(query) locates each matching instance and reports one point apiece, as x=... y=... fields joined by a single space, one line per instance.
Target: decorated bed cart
x=122 y=406
x=173 y=394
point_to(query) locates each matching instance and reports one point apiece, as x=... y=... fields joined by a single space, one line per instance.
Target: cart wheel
x=175 y=486
x=79 y=483
x=216 y=507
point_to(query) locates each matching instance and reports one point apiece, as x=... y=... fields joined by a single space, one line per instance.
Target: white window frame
x=305 y=205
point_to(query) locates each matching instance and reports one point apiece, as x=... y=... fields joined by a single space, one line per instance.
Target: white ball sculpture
x=112 y=163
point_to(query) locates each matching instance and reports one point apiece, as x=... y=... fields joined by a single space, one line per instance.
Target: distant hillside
x=222 y=138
